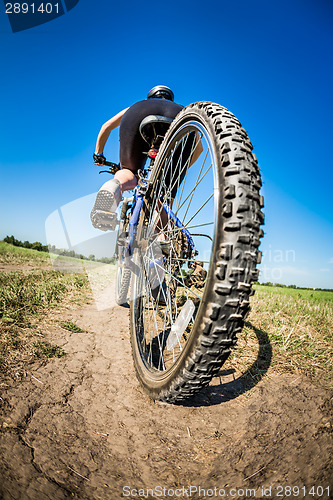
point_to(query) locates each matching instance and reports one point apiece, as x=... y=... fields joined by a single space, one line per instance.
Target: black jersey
x=132 y=145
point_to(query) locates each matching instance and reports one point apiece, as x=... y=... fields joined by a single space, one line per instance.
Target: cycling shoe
x=102 y=215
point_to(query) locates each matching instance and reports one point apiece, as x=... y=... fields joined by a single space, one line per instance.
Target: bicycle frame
x=135 y=216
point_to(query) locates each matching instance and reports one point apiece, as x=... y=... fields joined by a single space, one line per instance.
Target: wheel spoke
x=199 y=209
x=194 y=188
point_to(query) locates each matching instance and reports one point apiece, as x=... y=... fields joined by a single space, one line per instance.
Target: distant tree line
x=26 y=244
x=269 y=283
x=58 y=251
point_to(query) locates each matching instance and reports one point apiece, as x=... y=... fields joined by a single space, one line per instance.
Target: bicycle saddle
x=154 y=126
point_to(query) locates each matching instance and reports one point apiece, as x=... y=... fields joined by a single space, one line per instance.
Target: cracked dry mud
x=81 y=427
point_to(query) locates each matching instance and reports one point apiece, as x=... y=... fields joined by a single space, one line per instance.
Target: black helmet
x=161 y=92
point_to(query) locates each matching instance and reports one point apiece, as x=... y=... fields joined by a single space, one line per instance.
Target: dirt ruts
x=80 y=426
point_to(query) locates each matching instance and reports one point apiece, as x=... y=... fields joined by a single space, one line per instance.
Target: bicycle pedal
x=105 y=221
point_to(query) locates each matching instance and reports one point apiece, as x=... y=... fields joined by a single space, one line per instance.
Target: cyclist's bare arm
x=106 y=128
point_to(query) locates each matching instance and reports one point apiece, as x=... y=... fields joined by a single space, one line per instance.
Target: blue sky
x=269 y=62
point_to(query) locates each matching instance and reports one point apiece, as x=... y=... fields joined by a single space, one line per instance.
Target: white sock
x=113 y=186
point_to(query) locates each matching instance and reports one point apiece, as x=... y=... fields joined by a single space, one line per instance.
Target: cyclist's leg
x=108 y=198
x=160 y=222
x=127 y=178
x=123 y=180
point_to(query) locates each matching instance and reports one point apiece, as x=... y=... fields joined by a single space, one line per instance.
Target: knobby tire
x=234 y=256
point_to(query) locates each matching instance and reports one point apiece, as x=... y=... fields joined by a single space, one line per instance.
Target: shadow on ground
x=217 y=394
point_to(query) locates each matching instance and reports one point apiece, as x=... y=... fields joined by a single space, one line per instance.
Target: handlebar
x=114 y=167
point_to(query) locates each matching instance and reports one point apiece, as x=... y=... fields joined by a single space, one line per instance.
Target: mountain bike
x=188 y=248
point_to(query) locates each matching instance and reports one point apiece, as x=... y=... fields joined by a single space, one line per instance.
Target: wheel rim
x=192 y=194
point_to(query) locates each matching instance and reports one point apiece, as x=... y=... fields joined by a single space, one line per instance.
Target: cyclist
x=160 y=101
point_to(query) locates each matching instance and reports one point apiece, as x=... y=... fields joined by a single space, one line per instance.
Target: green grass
x=294 y=327
x=18 y=255
x=311 y=295
x=42 y=348
x=25 y=257
x=26 y=296
x=71 y=327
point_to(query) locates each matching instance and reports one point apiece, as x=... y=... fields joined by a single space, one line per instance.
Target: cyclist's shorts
x=178 y=164
x=133 y=149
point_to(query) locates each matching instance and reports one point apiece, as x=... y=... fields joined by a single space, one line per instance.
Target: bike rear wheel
x=190 y=290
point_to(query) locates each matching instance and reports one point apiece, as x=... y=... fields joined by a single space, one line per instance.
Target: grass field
x=29 y=288
x=312 y=295
x=287 y=330
x=20 y=256
x=294 y=329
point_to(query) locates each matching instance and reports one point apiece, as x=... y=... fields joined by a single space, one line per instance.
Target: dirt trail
x=81 y=427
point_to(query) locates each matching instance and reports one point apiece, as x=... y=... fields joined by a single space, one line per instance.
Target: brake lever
x=114 y=167
x=105 y=171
